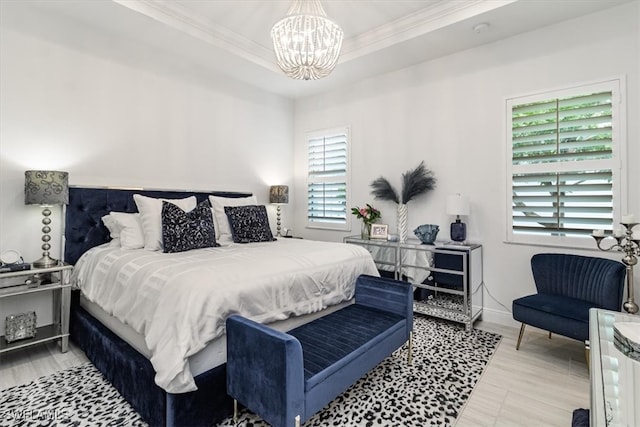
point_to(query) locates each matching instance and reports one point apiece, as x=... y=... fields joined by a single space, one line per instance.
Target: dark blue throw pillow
x=183 y=231
x=249 y=223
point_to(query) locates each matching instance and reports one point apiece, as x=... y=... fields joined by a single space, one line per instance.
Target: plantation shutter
x=562 y=164
x=327 y=179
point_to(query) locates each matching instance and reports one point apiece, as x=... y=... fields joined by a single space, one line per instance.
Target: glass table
x=614 y=369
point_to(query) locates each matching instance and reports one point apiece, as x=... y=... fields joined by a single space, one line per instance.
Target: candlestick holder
x=631 y=248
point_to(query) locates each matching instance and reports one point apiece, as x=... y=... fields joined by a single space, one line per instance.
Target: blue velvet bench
x=286 y=378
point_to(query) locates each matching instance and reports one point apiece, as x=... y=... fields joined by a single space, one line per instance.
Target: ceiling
x=231 y=37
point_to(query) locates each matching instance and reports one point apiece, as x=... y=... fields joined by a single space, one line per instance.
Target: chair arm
x=265 y=370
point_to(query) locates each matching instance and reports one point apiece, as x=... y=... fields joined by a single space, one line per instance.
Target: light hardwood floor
x=539 y=385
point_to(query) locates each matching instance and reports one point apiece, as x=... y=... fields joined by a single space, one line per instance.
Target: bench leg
x=235 y=412
x=410 y=352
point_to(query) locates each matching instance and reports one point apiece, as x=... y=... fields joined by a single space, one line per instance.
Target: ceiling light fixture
x=306 y=42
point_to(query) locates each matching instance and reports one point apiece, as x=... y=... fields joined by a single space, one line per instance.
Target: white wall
x=66 y=106
x=450 y=113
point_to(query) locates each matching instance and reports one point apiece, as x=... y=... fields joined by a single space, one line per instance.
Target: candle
x=617 y=232
x=628 y=219
x=598 y=233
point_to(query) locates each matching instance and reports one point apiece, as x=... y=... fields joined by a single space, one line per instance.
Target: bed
x=125 y=334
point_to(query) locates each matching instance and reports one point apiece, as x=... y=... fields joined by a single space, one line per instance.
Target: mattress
x=178 y=302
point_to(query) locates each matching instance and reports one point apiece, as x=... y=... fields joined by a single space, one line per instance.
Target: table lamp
x=279 y=195
x=458 y=205
x=46 y=188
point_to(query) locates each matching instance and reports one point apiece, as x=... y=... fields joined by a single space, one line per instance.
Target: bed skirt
x=133 y=376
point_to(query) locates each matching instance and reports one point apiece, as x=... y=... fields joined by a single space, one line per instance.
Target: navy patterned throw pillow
x=183 y=231
x=249 y=223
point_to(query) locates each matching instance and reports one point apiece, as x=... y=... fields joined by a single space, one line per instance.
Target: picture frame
x=379 y=231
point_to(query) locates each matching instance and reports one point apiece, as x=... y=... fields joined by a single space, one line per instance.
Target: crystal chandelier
x=306 y=42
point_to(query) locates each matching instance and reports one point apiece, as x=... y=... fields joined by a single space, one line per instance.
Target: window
x=327 y=179
x=564 y=151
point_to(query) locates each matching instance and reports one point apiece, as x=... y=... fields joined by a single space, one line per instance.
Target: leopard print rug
x=78 y=396
x=447 y=363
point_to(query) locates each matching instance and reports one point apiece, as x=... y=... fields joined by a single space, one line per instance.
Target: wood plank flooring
x=539 y=385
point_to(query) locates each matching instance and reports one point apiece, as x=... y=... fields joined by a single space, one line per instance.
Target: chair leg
x=549 y=334
x=520 y=336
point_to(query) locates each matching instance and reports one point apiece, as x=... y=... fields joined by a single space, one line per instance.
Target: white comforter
x=180 y=301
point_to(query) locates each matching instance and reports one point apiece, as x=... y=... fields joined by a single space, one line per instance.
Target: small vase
x=365 y=231
x=403 y=231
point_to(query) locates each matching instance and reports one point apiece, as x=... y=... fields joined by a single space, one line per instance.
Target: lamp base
x=45 y=262
x=458 y=231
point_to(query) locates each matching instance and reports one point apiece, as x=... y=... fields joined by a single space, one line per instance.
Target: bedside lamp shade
x=279 y=195
x=46 y=188
x=458 y=205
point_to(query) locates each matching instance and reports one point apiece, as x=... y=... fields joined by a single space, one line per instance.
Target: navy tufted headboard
x=87 y=205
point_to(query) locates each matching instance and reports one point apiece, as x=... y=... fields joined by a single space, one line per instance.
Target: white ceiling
x=231 y=37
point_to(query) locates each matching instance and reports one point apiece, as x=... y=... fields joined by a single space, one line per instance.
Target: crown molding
x=184 y=20
x=422 y=22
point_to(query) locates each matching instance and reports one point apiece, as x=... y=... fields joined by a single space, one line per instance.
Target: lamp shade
x=279 y=194
x=457 y=205
x=46 y=188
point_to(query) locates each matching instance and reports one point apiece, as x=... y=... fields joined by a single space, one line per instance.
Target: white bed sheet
x=179 y=302
x=409 y=258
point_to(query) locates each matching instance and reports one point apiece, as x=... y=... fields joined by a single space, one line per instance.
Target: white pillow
x=220 y=220
x=125 y=228
x=151 y=215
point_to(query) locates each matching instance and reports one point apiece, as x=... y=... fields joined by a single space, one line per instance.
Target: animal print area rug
x=447 y=363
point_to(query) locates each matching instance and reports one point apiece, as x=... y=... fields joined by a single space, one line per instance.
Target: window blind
x=562 y=181
x=327 y=179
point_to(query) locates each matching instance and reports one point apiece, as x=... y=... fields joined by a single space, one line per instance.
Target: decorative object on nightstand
x=279 y=195
x=20 y=326
x=368 y=215
x=11 y=260
x=427 y=233
x=414 y=183
x=306 y=43
x=629 y=244
x=458 y=205
x=46 y=188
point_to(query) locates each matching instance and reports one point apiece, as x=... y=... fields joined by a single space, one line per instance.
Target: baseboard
x=499 y=317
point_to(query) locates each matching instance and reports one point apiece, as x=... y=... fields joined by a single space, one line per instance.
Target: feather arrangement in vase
x=414 y=183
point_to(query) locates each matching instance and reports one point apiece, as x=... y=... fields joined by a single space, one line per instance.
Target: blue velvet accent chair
x=568 y=286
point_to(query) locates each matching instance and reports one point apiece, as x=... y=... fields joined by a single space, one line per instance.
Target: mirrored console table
x=614 y=370
x=447 y=277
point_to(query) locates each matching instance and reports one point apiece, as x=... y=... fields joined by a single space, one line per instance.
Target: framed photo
x=379 y=231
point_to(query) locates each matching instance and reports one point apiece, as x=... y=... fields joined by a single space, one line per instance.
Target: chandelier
x=306 y=42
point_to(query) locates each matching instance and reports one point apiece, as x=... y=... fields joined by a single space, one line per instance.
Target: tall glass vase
x=365 y=231
x=403 y=231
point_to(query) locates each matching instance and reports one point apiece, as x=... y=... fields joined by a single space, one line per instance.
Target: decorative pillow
x=125 y=228
x=220 y=220
x=151 y=215
x=183 y=231
x=249 y=223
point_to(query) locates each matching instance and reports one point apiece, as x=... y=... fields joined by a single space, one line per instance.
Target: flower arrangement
x=369 y=215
